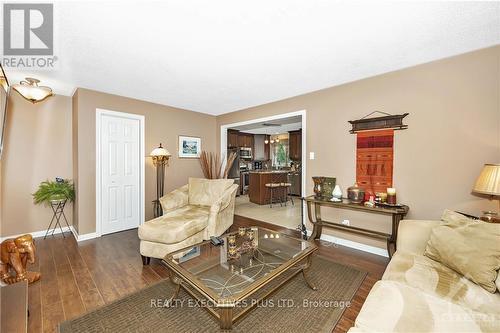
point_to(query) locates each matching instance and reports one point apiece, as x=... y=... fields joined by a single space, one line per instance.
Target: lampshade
x=159 y=151
x=488 y=181
x=31 y=91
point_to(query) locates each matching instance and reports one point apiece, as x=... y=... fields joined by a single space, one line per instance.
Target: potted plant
x=281 y=155
x=54 y=191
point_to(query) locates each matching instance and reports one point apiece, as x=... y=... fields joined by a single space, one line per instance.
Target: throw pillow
x=470 y=247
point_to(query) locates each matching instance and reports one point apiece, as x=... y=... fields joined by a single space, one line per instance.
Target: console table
x=397 y=214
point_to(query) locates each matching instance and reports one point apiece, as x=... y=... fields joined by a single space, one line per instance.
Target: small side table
x=58 y=211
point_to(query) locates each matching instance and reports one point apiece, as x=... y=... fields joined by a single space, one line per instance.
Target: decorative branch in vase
x=213 y=166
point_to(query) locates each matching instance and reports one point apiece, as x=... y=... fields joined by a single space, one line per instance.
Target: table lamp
x=160 y=158
x=488 y=183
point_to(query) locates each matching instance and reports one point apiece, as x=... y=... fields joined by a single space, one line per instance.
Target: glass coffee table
x=231 y=279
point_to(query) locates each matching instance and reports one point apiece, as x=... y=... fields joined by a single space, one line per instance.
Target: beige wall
x=454 y=128
x=163 y=124
x=37 y=148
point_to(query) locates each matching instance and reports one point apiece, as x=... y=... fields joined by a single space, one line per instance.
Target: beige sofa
x=191 y=214
x=418 y=294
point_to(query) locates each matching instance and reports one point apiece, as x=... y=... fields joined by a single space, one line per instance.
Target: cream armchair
x=191 y=214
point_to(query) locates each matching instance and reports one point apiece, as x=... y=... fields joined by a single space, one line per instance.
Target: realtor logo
x=28 y=29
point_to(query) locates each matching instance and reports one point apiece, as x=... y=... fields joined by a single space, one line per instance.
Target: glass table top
x=248 y=257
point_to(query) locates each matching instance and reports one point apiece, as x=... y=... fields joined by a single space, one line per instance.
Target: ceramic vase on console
x=327 y=187
x=337 y=194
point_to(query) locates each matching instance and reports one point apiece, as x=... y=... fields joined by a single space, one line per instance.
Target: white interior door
x=120 y=171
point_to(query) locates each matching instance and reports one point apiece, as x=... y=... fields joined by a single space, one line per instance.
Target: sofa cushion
x=433 y=278
x=467 y=246
x=395 y=307
x=207 y=191
x=176 y=226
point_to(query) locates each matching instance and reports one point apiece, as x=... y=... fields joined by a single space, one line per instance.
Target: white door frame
x=99 y=114
x=302 y=113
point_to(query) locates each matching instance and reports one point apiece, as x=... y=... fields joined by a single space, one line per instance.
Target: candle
x=391 y=195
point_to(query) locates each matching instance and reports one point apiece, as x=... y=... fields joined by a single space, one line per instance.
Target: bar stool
x=286 y=187
x=272 y=187
x=275 y=188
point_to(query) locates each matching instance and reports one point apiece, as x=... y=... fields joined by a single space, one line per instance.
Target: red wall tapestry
x=374 y=160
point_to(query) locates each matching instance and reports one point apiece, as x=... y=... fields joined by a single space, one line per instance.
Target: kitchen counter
x=258 y=193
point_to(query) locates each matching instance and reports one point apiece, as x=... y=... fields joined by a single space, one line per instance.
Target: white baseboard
x=355 y=245
x=71 y=229
x=84 y=237
x=41 y=233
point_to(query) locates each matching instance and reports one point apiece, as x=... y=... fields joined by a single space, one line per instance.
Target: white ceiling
x=221 y=56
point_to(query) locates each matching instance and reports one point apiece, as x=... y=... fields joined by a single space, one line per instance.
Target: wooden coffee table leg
x=226 y=318
x=305 y=269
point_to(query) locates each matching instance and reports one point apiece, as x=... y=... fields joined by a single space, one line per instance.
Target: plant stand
x=58 y=211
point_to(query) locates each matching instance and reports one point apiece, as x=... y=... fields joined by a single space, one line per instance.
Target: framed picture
x=189 y=147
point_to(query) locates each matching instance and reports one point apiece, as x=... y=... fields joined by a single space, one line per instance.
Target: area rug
x=293 y=308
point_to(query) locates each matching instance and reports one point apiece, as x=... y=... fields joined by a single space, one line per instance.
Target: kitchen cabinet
x=295 y=145
x=232 y=138
x=245 y=140
x=295 y=178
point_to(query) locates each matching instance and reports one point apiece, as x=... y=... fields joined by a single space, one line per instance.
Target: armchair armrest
x=225 y=200
x=175 y=199
x=221 y=213
x=414 y=234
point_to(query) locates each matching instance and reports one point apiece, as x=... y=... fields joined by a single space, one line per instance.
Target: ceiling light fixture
x=31 y=91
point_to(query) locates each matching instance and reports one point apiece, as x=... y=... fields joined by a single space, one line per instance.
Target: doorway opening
x=270 y=167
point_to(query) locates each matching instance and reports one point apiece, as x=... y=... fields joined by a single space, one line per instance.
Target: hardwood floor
x=78 y=277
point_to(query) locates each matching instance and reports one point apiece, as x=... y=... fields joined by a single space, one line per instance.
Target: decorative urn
x=355 y=194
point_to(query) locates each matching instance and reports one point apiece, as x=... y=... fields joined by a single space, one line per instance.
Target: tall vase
x=318 y=182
